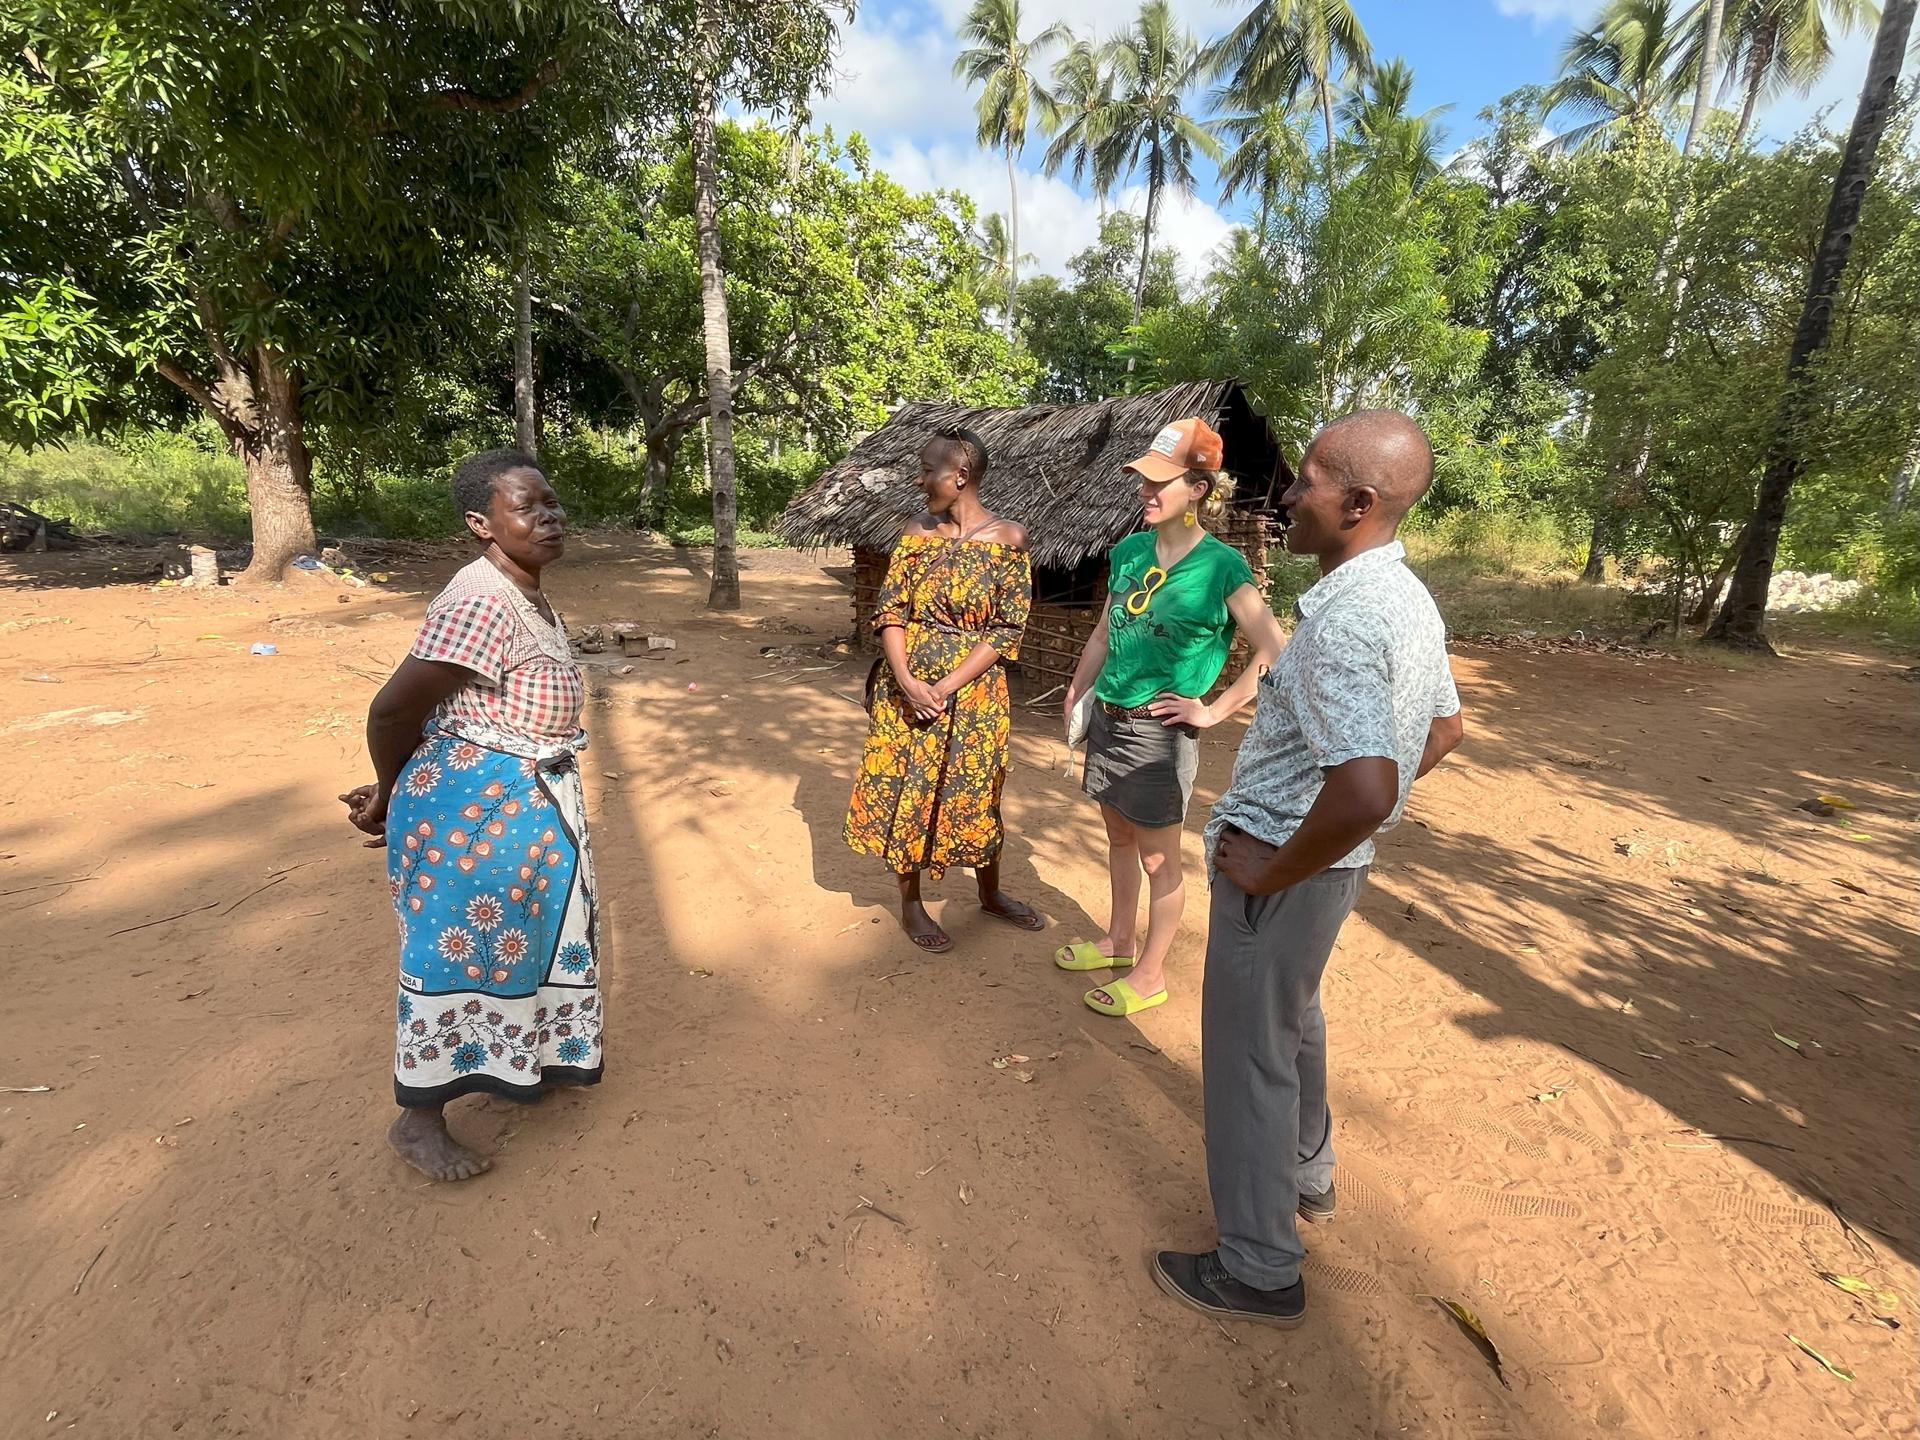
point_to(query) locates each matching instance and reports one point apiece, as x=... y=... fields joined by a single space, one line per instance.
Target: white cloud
x=1056 y=222
x=894 y=83
x=1099 y=17
x=1548 y=14
x=894 y=67
x=892 y=77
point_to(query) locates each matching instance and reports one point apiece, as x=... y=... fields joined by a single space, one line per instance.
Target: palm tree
x=1712 y=16
x=1377 y=118
x=999 y=62
x=1624 y=73
x=1780 y=46
x=709 y=61
x=1077 y=111
x=1283 y=47
x=996 y=260
x=1156 y=64
x=1742 y=618
x=1270 y=157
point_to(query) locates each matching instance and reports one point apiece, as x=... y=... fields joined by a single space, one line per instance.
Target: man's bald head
x=1382 y=449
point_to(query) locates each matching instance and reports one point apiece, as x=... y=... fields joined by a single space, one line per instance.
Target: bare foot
x=420 y=1138
x=922 y=929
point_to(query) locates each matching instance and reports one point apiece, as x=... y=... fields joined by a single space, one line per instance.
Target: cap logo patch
x=1167 y=441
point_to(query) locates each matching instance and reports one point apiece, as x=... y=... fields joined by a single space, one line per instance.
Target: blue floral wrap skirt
x=492 y=879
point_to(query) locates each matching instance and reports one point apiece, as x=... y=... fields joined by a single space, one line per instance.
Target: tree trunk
x=526 y=429
x=1596 y=567
x=1710 y=592
x=1902 y=491
x=1013 y=244
x=1759 y=58
x=1742 y=619
x=1709 y=67
x=657 y=477
x=1146 y=249
x=724 y=593
x=279 y=473
x=1326 y=120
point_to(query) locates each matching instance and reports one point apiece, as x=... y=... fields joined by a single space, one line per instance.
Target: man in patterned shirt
x=1358 y=705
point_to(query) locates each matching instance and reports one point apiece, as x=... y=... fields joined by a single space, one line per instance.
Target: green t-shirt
x=1170 y=637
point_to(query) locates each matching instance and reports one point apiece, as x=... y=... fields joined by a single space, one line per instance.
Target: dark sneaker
x=1319 y=1208
x=1202 y=1282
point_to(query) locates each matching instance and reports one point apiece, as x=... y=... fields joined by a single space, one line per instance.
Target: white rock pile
x=1794 y=592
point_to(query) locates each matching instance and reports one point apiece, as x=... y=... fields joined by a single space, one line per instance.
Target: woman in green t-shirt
x=1175 y=596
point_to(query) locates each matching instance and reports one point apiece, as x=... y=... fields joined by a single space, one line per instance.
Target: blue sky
x=894 y=85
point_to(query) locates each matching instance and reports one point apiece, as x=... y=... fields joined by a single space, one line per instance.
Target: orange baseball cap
x=1182 y=446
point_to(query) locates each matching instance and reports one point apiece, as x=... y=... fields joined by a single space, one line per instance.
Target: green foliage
x=303 y=184
x=1346 y=301
x=46 y=336
x=845 y=294
x=150 y=482
x=1076 y=330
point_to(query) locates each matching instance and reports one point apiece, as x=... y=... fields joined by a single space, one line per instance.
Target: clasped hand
x=928 y=702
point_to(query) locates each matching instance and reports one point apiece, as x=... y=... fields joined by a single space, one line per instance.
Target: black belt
x=1138 y=712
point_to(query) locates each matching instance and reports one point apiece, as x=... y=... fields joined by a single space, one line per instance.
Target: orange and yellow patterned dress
x=928 y=796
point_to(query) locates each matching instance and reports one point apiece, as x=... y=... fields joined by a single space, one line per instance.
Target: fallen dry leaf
x=1838 y=802
x=1793 y=1045
x=1003 y=1061
x=1548 y=1095
x=1840 y=1371
x=1476 y=1332
x=966 y=1195
x=1025 y=1077
x=1854 y=1285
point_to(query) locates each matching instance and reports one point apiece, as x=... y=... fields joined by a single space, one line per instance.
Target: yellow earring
x=1191 y=522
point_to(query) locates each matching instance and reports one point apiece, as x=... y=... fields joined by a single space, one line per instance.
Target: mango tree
x=262 y=206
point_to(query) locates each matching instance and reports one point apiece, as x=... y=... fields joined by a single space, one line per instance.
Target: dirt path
x=804 y=1203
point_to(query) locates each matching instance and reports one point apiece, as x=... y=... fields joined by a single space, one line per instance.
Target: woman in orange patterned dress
x=956 y=599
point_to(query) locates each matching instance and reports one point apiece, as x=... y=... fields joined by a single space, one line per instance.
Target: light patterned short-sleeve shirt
x=1364 y=675
x=527 y=693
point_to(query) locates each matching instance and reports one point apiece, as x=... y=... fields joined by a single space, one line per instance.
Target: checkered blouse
x=527 y=693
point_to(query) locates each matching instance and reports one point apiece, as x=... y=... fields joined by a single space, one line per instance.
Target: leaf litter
x=1471 y=1327
x=1839 y=1371
x=1863 y=1290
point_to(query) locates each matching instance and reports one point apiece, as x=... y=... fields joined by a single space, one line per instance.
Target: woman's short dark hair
x=475 y=477
x=966 y=447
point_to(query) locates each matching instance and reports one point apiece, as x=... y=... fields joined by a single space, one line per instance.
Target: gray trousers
x=1263 y=1050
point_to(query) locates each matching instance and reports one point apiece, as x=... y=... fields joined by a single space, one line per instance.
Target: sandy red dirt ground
x=804 y=1202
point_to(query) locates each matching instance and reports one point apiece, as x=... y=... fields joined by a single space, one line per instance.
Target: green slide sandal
x=1086 y=955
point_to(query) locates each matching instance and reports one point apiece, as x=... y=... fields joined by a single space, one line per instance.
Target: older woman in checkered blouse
x=478 y=800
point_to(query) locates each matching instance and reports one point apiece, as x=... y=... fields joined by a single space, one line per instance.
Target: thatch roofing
x=1055 y=468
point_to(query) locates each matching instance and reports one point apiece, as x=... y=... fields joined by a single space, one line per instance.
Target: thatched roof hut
x=1057 y=470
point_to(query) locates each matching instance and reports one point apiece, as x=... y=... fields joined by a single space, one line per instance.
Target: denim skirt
x=1141 y=767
